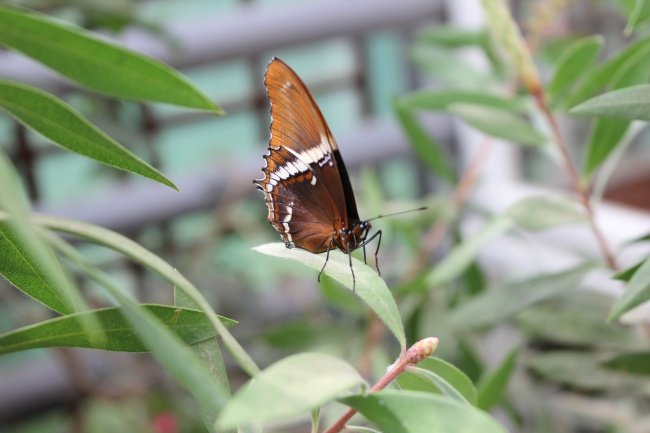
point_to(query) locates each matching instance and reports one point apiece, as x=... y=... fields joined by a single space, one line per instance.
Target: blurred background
x=356 y=56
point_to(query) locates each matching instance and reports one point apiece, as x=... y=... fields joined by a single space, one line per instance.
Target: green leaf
x=640 y=13
x=580 y=370
x=419 y=412
x=58 y=122
x=95 y=63
x=626 y=274
x=146 y=258
x=451 y=36
x=492 y=386
x=577 y=59
x=606 y=134
x=446 y=376
x=445 y=65
x=604 y=138
x=544 y=212
x=290 y=387
x=369 y=286
x=629 y=103
x=498 y=304
x=429 y=150
x=455 y=37
x=113 y=331
x=30 y=265
x=340 y=297
x=572 y=327
x=462 y=256
x=498 y=123
x=168 y=348
x=636 y=292
x=439 y=100
x=207 y=350
x=632 y=363
x=26 y=260
x=600 y=76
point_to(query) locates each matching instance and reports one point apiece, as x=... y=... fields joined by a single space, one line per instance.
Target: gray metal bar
x=248 y=31
x=122 y=208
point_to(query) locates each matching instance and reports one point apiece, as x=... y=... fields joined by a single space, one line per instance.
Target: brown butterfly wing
x=303 y=186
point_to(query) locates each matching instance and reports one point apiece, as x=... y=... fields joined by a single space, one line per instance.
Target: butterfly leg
x=327 y=257
x=366 y=242
x=354 y=280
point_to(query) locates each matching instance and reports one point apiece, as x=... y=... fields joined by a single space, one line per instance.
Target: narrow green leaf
x=633 y=363
x=340 y=297
x=455 y=37
x=58 y=122
x=544 y=212
x=607 y=134
x=578 y=58
x=95 y=63
x=451 y=36
x=445 y=65
x=440 y=383
x=290 y=387
x=146 y=258
x=492 y=386
x=569 y=326
x=498 y=304
x=640 y=13
x=629 y=103
x=604 y=138
x=439 y=100
x=369 y=286
x=446 y=376
x=207 y=350
x=636 y=292
x=30 y=265
x=425 y=146
x=498 y=123
x=168 y=348
x=464 y=254
x=113 y=331
x=420 y=412
x=581 y=370
x=26 y=261
x=597 y=78
x=626 y=274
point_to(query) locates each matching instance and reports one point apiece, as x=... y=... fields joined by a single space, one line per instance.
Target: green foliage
x=440 y=377
x=290 y=387
x=562 y=333
x=95 y=63
x=420 y=412
x=491 y=387
x=369 y=285
x=113 y=331
x=58 y=122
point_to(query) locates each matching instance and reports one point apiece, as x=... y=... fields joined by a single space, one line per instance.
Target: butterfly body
x=306 y=185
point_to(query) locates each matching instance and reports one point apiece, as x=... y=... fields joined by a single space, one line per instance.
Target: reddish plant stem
x=419 y=351
x=578 y=186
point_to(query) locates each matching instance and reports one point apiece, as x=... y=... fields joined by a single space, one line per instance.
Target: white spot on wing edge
x=286 y=220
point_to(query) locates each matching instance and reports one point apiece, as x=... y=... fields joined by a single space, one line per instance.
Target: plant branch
x=578 y=186
x=415 y=354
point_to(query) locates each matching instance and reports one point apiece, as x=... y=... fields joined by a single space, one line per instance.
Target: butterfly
x=306 y=185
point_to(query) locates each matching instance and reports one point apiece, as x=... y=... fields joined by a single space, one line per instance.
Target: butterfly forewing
x=307 y=188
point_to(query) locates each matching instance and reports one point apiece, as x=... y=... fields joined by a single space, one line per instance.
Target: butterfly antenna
x=397 y=213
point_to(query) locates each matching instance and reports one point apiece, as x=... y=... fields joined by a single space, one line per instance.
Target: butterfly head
x=351 y=238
